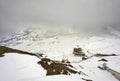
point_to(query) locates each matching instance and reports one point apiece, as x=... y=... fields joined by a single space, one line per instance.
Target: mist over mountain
x=82 y=15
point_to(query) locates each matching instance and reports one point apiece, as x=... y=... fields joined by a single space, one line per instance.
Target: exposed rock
x=55 y=67
x=78 y=51
x=86 y=79
x=103 y=60
x=4 y=49
x=101 y=55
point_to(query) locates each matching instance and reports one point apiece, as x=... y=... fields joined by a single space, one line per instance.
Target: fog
x=80 y=14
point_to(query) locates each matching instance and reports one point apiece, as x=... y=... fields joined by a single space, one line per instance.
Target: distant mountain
x=32 y=34
x=46 y=40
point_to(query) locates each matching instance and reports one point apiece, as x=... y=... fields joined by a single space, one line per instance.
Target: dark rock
x=4 y=49
x=102 y=55
x=86 y=79
x=103 y=60
x=56 y=68
x=78 y=51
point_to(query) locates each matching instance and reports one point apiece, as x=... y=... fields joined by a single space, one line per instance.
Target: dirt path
x=114 y=73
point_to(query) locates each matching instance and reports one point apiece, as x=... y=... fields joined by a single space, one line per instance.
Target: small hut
x=78 y=51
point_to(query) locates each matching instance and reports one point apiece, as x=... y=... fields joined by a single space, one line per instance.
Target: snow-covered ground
x=56 y=45
x=15 y=67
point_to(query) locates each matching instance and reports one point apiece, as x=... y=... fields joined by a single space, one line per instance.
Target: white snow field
x=56 y=45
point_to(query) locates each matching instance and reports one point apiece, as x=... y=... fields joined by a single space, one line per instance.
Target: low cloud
x=81 y=14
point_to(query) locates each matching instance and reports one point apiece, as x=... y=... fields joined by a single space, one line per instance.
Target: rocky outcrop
x=55 y=67
x=4 y=49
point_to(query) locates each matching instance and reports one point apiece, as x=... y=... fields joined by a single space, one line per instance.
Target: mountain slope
x=59 y=45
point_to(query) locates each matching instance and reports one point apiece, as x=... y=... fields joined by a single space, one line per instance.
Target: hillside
x=56 y=46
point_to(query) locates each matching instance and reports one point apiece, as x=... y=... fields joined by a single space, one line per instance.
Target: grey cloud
x=79 y=13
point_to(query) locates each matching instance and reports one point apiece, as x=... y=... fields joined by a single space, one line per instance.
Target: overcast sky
x=15 y=14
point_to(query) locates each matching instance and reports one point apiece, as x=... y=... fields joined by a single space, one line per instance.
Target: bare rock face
x=56 y=68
